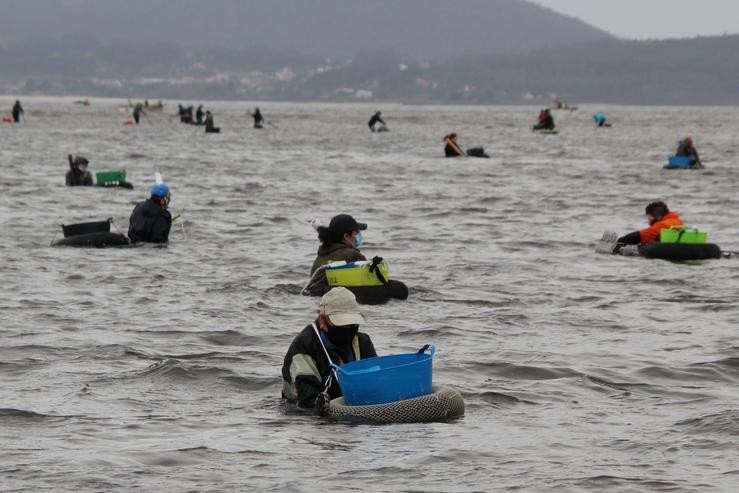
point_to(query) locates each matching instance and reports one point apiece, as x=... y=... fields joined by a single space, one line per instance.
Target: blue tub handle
x=426 y=347
x=334 y=368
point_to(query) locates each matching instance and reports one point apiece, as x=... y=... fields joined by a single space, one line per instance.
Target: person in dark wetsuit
x=210 y=127
x=78 y=176
x=199 y=115
x=546 y=121
x=17 y=111
x=685 y=148
x=375 y=120
x=258 y=118
x=150 y=220
x=451 y=148
x=137 y=111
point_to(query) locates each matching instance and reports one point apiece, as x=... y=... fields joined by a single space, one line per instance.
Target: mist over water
x=159 y=368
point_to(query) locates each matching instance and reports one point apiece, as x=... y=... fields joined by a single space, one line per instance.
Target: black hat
x=80 y=160
x=344 y=223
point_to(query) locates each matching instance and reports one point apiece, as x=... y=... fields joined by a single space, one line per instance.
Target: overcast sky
x=654 y=18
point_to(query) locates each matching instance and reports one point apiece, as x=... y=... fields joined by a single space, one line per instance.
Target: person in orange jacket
x=659 y=217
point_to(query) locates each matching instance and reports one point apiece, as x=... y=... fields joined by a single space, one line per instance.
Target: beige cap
x=341 y=307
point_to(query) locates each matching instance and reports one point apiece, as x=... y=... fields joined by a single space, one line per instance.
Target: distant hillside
x=416 y=29
x=687 y=71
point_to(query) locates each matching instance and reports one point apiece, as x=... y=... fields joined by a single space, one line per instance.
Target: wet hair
x=451 y=136
x=657 y=209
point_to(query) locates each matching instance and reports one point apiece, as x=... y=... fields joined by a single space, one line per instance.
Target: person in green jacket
x=78 y=174
x=339 y=241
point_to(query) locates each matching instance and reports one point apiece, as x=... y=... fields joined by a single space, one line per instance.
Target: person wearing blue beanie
x=150 y=221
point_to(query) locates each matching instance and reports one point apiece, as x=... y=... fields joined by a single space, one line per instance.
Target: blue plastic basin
x=386 y=378
x=679 y=162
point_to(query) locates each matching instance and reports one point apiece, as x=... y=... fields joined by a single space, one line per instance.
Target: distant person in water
x=546 y=121
x=659 y=217
x=78 y=175
x=451 y=148
x=137 y=111
x=210 y=127
x=185 y=113
x=600 y=119
x=150 y=221
x=375 y=120
x=685 y=148
x=199 y=115
x=17 y=111
x=258 y=118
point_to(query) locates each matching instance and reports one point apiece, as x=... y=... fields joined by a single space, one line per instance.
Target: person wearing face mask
x=659 y=218
x=339 y=241
x=78 y=174
x=150 y=220
x=333 y=337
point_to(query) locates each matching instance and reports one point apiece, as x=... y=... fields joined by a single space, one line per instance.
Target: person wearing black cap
x=78 y=174
x=339 y=241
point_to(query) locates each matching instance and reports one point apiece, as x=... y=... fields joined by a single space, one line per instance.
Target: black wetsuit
x=258 y=119
x=17 y=110
x=210 y=127
x=199 y=115
x=137 y=110
x=546 y=124
x=149 y=223
x=373 y=121
x=687 y=149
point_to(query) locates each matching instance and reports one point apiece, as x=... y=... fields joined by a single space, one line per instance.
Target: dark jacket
x=335 y=252
x=687 y=149
x=17 y=110
x=149 y=223
x=306 y=368
x=258 y=119
x=75 y=178
x=374 y=120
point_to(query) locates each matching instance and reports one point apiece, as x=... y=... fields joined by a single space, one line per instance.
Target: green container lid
x=104 y=177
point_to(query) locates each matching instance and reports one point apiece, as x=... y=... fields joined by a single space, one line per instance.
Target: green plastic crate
x=110 y=177
x=355 y=274
x=682 y=235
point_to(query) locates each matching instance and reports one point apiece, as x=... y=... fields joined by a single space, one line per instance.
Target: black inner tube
x=680 y=251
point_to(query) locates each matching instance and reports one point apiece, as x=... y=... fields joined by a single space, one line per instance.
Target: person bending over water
x=210 y=127
x=659 y=217
x=375 y=120
x=78 y=174
x=546 y=121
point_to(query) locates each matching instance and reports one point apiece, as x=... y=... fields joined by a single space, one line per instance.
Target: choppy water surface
x=158 y=369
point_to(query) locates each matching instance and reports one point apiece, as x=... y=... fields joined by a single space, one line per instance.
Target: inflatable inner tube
x=443 y=404
x=99 y=240
x=372 y=295
x=680 y=251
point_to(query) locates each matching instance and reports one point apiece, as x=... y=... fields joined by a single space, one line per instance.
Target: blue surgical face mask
x=82 y=170
x=358 y=240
